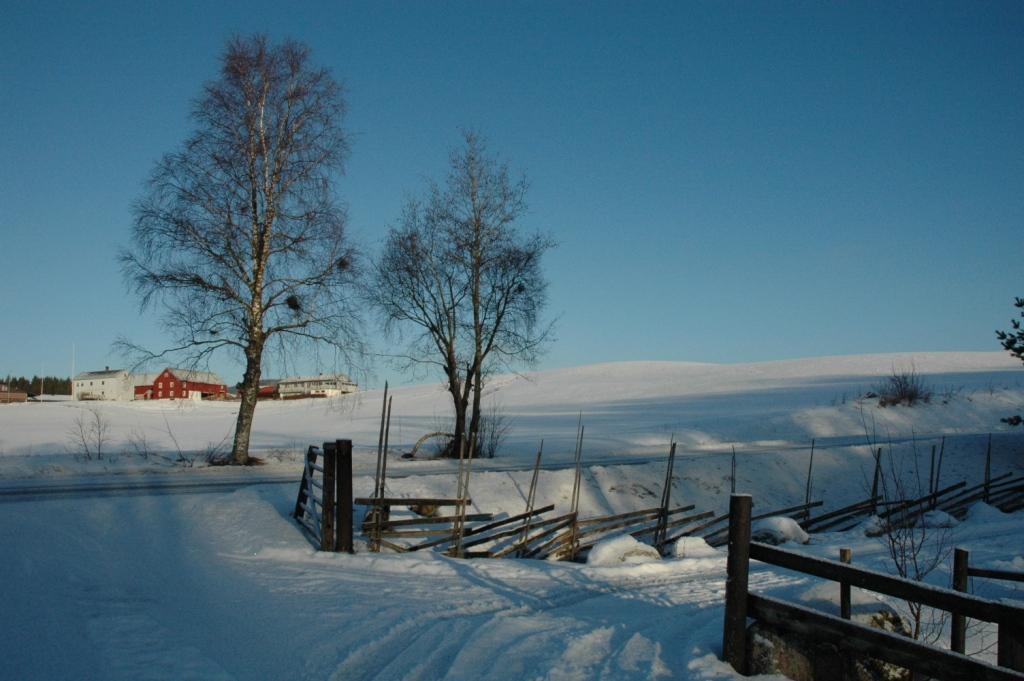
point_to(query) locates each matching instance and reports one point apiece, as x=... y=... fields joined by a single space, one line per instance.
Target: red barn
x=268 y=390
x=181 y=384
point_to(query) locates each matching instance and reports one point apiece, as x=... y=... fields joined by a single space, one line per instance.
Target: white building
x=109 y=384
x=323 y=385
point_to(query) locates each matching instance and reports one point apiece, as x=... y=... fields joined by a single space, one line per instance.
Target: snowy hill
x=224 y=584
x=628 y=408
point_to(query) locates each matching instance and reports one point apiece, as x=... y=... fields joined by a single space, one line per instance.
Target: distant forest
x=54 y=385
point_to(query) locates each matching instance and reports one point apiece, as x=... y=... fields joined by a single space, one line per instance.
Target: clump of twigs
x=905 y=387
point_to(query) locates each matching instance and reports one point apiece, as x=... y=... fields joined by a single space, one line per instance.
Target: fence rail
x=851 y=636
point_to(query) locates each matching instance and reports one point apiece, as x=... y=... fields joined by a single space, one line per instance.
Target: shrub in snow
x=622 y=550
x=694 y=547
x=903 y=387
x=778 y=530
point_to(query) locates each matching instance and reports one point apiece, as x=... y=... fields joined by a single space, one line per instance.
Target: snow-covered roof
x=144 y=379
x=181 y=375
x=196 y=376
x=341 y=378
x=106 y=373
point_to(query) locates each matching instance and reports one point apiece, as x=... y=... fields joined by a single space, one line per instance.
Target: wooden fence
x=856 y=638
x=962 y=572
x=324 y=504
x=1005 y=492
x=324 y=509
x=382 y=529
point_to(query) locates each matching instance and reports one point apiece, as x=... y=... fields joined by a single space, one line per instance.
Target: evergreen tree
x=53 y=385
x=1013 y=340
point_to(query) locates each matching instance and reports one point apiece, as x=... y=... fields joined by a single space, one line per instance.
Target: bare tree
x=239 y=239
x=90 y=434
x=916 y=545
x=458 y=277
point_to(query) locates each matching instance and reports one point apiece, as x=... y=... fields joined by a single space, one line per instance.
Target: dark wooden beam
x=876 y=643
x=945 y=599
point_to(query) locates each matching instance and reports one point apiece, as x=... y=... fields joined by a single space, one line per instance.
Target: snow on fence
x=525 y=535
x=1005 y=492
x=849 y=636
x=404 y=524
x=325 y=509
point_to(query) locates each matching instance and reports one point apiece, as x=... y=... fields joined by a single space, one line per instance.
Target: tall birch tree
x=239 y=240
x=462 y=284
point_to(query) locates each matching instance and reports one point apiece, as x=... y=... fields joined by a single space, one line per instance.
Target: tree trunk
x=474 y=423
x=460 y=402
x=460 y=425
x=248 y=392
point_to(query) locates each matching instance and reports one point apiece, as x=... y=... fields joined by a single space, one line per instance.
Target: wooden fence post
x=845 y=609
x=874 y=483
x=666 y=496
x=1011 y=645
x=958 y=626
x=734 y=636
x=988 y=467
x=327 y=519
x=807 y=494
x=931 y=478
x=732 y=475
x=343 y=541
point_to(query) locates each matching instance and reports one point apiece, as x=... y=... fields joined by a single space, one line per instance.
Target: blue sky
x=728 y=182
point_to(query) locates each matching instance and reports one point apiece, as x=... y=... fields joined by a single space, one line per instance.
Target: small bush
x=89 y=435
x=493 y=429
x=903 y=387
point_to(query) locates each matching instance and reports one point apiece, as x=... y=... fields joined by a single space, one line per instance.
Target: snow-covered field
x=223 y=585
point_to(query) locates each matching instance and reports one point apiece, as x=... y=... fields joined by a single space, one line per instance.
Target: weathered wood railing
x=1005 y=492
x=850 y=636
x=962 y=572
x=324 y=503
x=380 y=527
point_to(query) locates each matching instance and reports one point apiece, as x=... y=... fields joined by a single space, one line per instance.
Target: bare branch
x=239 y=239
x=460 y=284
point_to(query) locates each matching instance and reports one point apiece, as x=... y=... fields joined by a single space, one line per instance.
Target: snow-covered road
x=225 y=586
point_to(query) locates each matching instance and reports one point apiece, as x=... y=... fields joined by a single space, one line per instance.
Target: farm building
x=181 y=384
x=109 y=384
x=329 y=385
x=7 y=396
x=268 y=389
